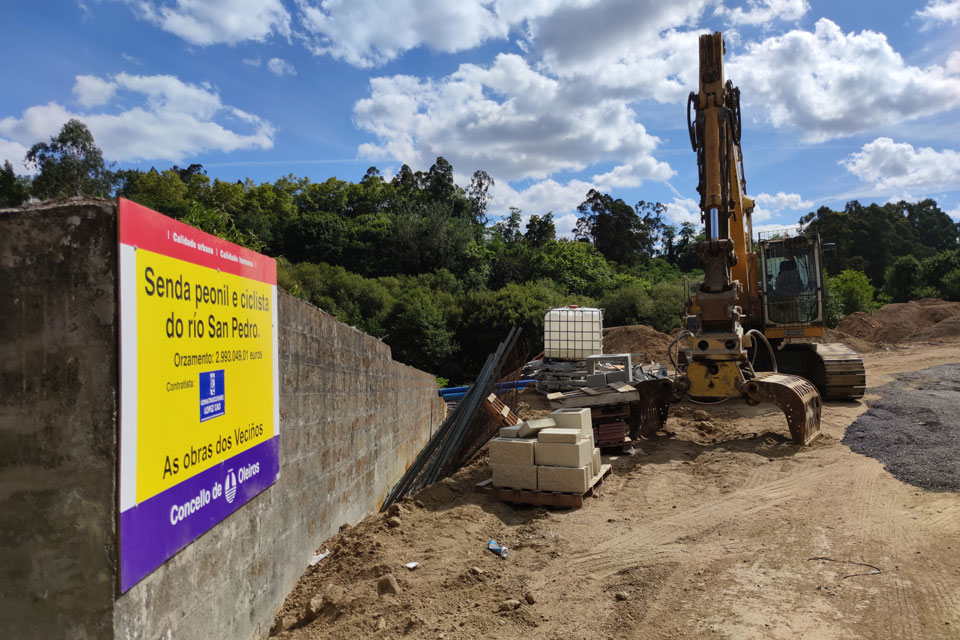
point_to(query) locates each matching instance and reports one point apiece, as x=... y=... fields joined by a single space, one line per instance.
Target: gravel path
x=914 y=428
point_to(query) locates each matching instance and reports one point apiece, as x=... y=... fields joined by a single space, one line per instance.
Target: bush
x=659 y=306
x=848 y=292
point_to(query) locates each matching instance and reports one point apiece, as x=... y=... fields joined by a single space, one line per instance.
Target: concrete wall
x=351 y=421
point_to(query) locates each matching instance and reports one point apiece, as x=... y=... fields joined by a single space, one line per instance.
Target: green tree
x=14 y=190
x=540 y=231
x=612 y=226
x=479 y=194
x=417 y=332
x=70 y=164
x=950 y=288
x=902 y=279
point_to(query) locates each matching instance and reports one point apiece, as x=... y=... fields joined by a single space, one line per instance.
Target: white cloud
x=92 y=91
x=938 y=11
x=683 y=210
x=510 y=120
x=540 y=197
x=368 y=33
x=280 y=67
x=206 y=22
x=633 y=49
x=830 y=84
x=768 y=205
x=14 y=152
x=954 y=213
x=763 y=12
x=890 y=165
x=252 y=62
x=175 y=121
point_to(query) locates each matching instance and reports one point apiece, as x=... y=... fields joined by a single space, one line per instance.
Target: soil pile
x=914 y=321
x=637 y=339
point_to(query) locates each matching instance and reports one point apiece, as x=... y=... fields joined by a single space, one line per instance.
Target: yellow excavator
x=750 y=322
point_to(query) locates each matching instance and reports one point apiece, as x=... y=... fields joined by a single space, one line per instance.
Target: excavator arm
x=715 y=363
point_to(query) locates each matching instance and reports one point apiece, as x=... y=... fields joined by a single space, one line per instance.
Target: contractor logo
x=212 y=396
x=230 y=489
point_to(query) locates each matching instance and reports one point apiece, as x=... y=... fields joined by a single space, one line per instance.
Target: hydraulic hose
x=763 y=338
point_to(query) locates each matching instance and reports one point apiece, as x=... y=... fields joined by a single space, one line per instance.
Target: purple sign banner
x=156 y=529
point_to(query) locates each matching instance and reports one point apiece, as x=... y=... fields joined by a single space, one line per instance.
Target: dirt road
x=710 y=533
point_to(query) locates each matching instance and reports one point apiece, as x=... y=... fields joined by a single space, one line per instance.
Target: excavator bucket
x=797 y=398
x=649 y=415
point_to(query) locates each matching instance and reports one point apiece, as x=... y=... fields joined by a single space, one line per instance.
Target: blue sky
x=841 y=100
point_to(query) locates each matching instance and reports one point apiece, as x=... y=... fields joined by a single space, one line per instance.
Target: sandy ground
x=712 y=532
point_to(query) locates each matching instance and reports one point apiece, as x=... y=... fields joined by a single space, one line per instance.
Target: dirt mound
x=637 y=339
x=914 y=321
x=857 y=344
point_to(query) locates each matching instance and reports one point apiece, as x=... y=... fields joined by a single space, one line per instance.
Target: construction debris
x=465 y=430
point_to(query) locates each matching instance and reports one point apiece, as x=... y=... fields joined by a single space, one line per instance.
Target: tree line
x=414 y=260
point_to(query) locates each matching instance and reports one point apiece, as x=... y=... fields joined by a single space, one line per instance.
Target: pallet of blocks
x=550 y=461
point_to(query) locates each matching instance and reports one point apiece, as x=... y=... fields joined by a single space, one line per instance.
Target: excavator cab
x=791 y=286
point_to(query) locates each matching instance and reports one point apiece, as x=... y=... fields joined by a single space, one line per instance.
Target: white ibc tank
x=572 y=333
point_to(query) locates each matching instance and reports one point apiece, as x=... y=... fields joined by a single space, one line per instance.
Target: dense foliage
x=413 y=260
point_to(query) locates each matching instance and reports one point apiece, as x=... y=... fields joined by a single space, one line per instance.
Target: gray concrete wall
x=351 y=421
x=58 y=378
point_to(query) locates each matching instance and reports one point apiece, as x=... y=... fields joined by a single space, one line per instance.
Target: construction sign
x=199 y=392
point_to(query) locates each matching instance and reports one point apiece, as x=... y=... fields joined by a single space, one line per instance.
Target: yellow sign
x=193 y=322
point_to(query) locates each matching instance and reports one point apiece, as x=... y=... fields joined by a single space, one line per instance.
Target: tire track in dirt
x=660 y=537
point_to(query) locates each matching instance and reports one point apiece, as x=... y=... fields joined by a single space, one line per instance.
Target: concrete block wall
x=352 y=419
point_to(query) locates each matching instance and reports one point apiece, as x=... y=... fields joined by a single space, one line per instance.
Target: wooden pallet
x=500 y=411
x=547 y=498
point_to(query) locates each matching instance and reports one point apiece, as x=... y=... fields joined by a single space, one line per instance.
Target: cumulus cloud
x=508 y=118
x=207 y=22
x=252 y=62
x=762 y=12
x=940 y=11
x=175 y=120
x=683 y=210
x=898 y=166
x=768 y=205
x=367 y=33
x=92 y=91
x=631 y=49
x=280 y=67
x=828 y=83
x=15 y=153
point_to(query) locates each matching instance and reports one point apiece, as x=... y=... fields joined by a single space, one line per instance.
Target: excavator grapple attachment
x=797 y=398
x=649 y=415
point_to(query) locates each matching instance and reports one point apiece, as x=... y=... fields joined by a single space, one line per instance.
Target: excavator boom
x=715 y=344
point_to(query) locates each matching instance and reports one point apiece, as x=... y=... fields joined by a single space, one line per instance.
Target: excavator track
x=845 y=376
x=835 y=369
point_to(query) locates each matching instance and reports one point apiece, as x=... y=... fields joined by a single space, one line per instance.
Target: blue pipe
x=503 y=386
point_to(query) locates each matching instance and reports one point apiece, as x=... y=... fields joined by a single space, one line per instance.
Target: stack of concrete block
x=549 y=454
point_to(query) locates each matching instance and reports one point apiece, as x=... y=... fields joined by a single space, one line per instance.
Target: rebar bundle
x=464 y=431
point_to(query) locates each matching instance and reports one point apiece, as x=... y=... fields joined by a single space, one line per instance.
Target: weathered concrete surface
x=58 y=376
x=351 y=421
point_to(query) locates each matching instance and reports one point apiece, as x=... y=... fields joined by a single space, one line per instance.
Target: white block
x=574 y=419
x=517 y=451
x=570 y=479
x=596 y=461
x=532 y=427
x=558 y=454
x=515 y=476
x=568 y=436
x=510 y=432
